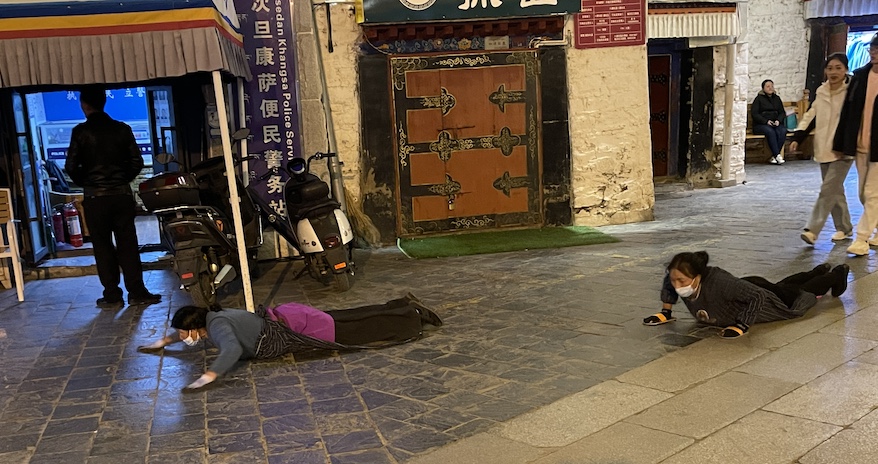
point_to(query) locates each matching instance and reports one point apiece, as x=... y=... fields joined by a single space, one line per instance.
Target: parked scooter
x=195 y=218
x=323 y=231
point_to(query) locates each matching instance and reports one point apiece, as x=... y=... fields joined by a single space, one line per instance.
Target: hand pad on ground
x=154 y=347
x=203 y=383
x=735 y=331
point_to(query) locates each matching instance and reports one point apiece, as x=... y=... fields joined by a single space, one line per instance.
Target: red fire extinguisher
x=73 y=227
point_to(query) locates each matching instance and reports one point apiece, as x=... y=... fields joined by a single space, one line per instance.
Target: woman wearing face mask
x=822 y=118
x=241 y=335
x=768 y=115
x=718 y=298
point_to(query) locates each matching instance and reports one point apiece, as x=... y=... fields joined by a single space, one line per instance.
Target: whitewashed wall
x=739 y=115
x=341 y=77
x=609 y=135
x=778 y=38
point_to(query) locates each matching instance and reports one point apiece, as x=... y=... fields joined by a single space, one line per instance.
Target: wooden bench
x=756 y=147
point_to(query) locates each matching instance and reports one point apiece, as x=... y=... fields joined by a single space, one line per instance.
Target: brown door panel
x=467 y=141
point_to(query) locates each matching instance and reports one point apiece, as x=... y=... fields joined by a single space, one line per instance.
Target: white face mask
x=685 y=292
x=192 y=341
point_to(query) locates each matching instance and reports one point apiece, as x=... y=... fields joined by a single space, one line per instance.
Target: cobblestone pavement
x=522 y=330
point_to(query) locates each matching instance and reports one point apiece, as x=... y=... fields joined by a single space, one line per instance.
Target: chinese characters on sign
x=611 y=23
x=390 y=11
x=270 y=97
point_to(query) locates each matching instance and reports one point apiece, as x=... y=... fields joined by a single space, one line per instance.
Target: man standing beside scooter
x=103 y=159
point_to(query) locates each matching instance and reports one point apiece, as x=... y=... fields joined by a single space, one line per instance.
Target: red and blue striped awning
x=114 y=41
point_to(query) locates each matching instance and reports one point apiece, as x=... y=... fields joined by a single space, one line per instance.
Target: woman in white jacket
x=823 y=119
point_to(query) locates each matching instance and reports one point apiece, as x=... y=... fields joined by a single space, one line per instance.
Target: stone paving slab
x=721 y=403
x=758 y=438
x=522 y=331
x=854 y=445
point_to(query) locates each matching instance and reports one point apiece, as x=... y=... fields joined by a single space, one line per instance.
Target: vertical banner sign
x=610 y=23
x=270 y=97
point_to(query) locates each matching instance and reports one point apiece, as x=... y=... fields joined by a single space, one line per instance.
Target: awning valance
x=103 y=41
x=840 y=8
x=665 y=26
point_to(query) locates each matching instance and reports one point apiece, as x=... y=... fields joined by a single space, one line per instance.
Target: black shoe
x=427 y=315
x=146 y=299
x=841 y=283
x=106 y=304
x=822 y=269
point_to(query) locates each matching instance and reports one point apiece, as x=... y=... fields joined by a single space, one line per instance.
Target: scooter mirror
x=296 y=166
x=164 y=158
x=241 y=134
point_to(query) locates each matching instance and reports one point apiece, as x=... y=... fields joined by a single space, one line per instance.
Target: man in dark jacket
x=103 y=159
x=856 y=136
x=768 y=116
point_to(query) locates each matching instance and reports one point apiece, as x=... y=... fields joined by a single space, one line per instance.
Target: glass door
x=30 y=179
x=164 y=131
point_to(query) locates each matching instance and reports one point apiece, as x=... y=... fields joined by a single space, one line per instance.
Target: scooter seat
x=313 y=209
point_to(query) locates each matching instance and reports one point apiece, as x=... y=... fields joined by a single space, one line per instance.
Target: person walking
x=857 y=123
x=822 y=118
x=103 y=158
x=270 y=333
x=768 y=115
x=716 y=297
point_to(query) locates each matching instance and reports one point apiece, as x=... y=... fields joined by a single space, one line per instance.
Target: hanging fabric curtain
x=102 y=41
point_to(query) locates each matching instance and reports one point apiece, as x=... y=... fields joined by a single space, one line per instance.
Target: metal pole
x=234 y=199
x=335 y=175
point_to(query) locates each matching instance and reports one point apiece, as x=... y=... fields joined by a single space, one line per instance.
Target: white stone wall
x=778 y=38
x=341 y=80
x=739 y=114
x=609 y=135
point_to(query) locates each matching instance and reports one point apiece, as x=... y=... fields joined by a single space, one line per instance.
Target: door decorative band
x=506 y=183
x=445 y=101
x=502 y=96
x=449 y=188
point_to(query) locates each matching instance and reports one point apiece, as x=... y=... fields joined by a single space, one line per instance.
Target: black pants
x=813 y=281
x=394 y=321
x=107 y=216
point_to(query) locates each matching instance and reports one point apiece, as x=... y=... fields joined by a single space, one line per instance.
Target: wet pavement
x=522 y=331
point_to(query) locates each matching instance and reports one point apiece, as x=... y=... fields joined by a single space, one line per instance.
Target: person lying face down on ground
x=292 y=328
x=718 y=298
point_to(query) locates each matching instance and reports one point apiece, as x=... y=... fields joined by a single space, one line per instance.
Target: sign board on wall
x=610 y=23
x=402 y=11
x=271 y=101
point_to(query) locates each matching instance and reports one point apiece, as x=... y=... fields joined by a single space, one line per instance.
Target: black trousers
x=394 y=321
x=107 y=216
x=788 y=289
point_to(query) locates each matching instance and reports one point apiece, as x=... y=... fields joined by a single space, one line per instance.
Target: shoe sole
x=805 y=238
x=143 y=303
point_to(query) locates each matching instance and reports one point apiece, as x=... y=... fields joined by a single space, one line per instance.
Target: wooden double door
x=467 y=141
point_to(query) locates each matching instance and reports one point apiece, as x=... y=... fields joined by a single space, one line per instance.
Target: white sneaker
x=780 y=159
x=839 y=236
x=809 y=237
x=859 y=248
x=773 y=160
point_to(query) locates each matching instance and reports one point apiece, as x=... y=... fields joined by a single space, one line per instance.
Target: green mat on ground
x=501 y=241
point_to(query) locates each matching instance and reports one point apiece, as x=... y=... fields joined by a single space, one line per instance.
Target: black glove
x=735 y=331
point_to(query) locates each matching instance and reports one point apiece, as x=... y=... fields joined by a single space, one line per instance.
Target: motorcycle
x=315 y=225
x=323 y=231
x=195 y=219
